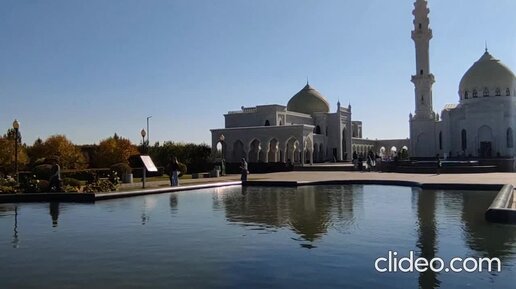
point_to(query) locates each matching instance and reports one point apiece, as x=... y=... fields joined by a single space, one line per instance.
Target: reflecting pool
x=255 y=237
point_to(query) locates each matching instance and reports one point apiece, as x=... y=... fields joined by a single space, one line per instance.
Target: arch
x=498 y=92
x=254 y=151
x=267 y=123
x=463 y=139
x=509 y=138
x=292 y=150
x=485 y=141
x=485 y=133
x=273 y=153
x=466 y=94
x=382 y=152
x=317 y=129
x=486 y=92
x=507 y=92
x=475 y=93
x=238 y=151
x=393 y=151
x=309 y=151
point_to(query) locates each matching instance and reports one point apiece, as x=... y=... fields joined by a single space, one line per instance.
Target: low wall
x=501 y=210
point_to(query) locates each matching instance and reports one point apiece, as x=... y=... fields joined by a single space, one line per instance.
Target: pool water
x=254 y=237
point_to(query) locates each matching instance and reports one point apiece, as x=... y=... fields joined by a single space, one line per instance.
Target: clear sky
x=90 y=68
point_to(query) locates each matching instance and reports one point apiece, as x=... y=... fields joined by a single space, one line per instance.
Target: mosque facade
x=481 y=125
x=304 y=131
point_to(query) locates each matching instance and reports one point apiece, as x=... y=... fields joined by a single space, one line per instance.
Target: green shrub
x=42 y=172
x=98 y=185
x=121 y=169
x=71 y=182
x=8 y=186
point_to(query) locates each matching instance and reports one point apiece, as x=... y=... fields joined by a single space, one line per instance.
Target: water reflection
x=308 y=211
x=16 y=240
x=488 y=239
x=54 y=213
x=427 y=234
x=173 y=203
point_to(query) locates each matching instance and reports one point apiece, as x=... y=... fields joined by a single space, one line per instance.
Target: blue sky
x=88 y=69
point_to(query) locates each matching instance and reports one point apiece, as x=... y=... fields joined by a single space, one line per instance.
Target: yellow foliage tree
x=114 y=150
x=70 y=156
x=7 y=154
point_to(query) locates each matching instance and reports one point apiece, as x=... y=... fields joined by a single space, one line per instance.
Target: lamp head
x=16 y=124
x=143 y=133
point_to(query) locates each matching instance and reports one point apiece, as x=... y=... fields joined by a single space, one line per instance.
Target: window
x=466 y=94
x=510 y=139
x=464 y=141
x=421 y=72
x=486 y=92
x=318 y=130
x=440 y=140
x=508 y=92
x=475 y=93
x=267 y=123
x=420 y=26
x=498 y=92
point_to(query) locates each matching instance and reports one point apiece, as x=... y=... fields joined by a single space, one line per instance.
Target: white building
x=304 y=131
x=481 y=124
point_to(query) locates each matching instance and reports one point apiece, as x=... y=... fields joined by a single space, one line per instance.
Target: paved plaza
x=313 y=176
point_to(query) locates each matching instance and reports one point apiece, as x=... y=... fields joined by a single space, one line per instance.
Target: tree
x=114 y=150
x=7 y=157
x=70 y=156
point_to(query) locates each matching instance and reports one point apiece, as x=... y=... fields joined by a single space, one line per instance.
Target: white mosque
x=306 y=131
x=481 y=125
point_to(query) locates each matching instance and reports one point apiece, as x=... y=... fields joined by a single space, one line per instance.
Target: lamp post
x=143 y=133
x=16 y=126
x=148 y=132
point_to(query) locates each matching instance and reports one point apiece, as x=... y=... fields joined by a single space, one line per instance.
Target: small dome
x=308 y=100
x=487 y=77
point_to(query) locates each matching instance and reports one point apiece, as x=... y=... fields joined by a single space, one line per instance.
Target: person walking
x=173 y=168
x=243 y=170
x=54 y=183
x=438 y=164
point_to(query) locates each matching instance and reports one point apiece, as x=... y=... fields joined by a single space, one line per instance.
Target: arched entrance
x=254 y=151
x=273 y=155
x=485 y=139
x=238 y=151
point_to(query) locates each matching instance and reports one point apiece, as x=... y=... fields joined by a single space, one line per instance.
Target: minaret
x=423 y=79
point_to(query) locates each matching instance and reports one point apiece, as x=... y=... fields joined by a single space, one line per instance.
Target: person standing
x=173 y=168
x=243 y=170
x=438 y=164
x=54 y=183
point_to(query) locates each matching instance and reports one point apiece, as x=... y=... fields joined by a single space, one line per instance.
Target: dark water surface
x=306 y=237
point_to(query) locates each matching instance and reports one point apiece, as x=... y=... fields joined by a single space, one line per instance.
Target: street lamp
x=144 y=176
x=148 y=132
x=16 y=126
x=143 y=133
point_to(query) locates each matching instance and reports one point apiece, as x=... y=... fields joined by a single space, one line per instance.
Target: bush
x=71 y=182
x=97 y=185
x=121 y=169
x=8 y=185
x=42 y=172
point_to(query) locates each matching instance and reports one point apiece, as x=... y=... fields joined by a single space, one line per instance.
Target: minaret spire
x=423 y=79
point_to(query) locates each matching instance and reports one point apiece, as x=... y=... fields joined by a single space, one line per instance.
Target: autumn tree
x=114 y=150
x=70 y=156
x=7 y=152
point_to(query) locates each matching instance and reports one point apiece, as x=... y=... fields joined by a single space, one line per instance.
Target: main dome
x=308 y=100
x=487 y=77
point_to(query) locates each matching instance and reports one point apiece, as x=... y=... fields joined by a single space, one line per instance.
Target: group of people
x=370 y=160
